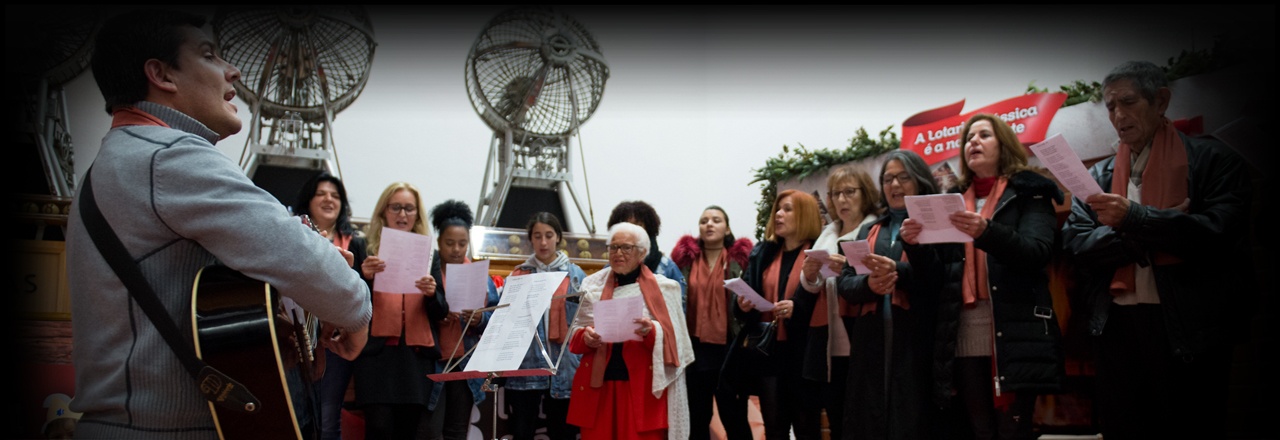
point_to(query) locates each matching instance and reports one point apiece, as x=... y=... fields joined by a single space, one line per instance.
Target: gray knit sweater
x=179 y=204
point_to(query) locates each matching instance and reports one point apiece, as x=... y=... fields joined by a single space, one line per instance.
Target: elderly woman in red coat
x=631 y=389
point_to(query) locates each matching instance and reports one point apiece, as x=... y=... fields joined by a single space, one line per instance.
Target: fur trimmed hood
x=687 y=251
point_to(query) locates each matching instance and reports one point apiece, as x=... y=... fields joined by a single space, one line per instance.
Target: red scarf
x=975 y=285
x=771 y=285
x=899 y=296
x=657 y=307
x=557 y=325
x=1164 y=186
x=707 y=300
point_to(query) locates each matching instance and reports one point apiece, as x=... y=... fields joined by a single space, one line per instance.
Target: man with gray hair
x=1158 y=255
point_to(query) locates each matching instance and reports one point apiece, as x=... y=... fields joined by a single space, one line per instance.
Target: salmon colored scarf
x=557 y=324
x=975 y=284
x=657 y=307
x=707 y=300
x=771 y=285
x=126 y=116
x=899 y=296
x=820 y=309
x=393 y=312
x=1164 y=186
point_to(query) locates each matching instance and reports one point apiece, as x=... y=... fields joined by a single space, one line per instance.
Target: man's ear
x=1163 y=95
x=159 y=75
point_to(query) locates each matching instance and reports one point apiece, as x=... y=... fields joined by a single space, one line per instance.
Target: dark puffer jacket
x=1019 y=242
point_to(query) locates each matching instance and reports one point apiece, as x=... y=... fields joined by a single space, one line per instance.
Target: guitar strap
x=216 y=386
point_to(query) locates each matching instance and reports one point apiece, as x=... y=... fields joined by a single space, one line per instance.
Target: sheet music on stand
x=510 y=330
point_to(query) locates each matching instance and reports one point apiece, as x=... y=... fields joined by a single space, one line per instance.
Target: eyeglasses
x=846 y=193
x=396 y=208
x=624 y=248
x=902 y=178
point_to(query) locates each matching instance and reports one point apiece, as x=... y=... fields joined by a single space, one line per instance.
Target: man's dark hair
x=124 y=44
x=638 y=210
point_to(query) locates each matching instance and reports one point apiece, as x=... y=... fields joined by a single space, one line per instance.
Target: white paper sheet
x=468 y=285
x=615 y=318
x=855 y=251
x=408 y=258
x=742 y=289
x=934 y=212
x=825 y=257
x=1056 y=155
x=511 y=329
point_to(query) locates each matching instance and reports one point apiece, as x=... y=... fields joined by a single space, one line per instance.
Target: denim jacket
x=562 y=382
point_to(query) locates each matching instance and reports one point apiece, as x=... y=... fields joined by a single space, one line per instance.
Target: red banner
x=935 y=134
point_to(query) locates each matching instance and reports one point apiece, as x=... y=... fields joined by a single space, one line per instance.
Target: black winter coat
x=784 y=360
x=1209 y=238
x=890 y=361
x=1019 y=241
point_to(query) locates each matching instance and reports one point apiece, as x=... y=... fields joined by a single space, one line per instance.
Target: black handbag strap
x=216 y=386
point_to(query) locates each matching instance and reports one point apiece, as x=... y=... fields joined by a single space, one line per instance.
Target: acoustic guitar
x=245 y=329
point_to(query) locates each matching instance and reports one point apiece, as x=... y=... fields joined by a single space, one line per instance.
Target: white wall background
x=700 y=97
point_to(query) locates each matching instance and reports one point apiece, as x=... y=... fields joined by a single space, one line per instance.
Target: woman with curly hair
x=706 y=262
x=452 y=419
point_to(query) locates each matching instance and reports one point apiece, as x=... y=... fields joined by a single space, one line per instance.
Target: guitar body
x=237 y=331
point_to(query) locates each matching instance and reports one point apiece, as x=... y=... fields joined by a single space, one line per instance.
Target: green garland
x=802 y=162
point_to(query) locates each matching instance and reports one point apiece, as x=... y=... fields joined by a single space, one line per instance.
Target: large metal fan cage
x=535 y=72
x=299 y=66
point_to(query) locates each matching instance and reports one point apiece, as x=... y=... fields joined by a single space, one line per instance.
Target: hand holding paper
x=616 y=318
x=407 y=257
x=1056 y=155
x=744 y=291
x=468 y=286
x=934 y=212
x=854 y=252
x=825 y=258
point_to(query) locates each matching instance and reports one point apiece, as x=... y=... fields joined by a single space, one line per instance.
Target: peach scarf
x=393 y=312
x=657 y=306
x=557 y=324
x=770 y=286
x=1164 y=186
x=707 y=300
x=975 y=285
x=899 y=296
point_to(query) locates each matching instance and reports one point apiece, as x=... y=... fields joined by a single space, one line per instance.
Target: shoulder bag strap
x=216 y=386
